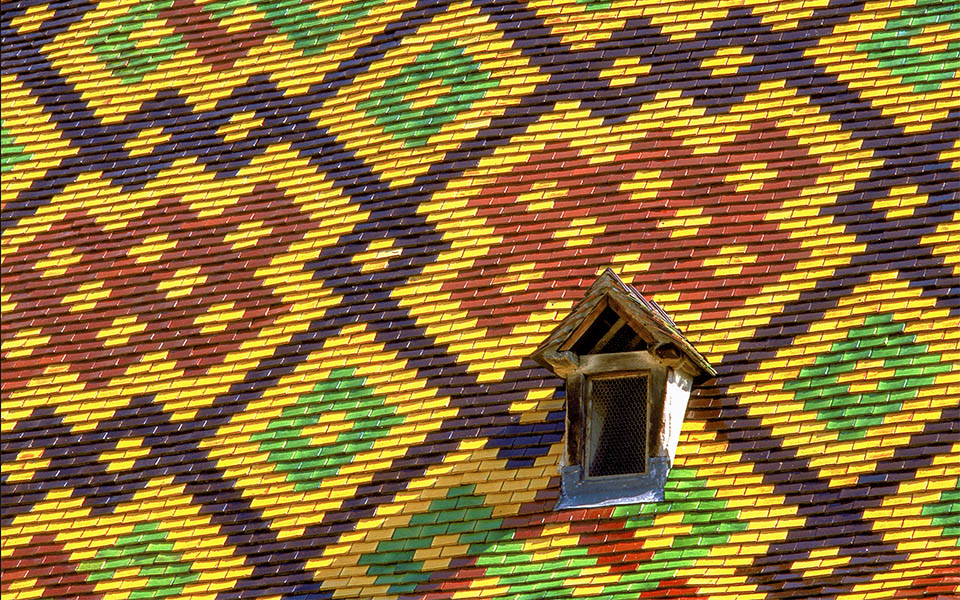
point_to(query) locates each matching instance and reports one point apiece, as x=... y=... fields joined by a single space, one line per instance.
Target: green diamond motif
x=147 y=550
x=498 y=551
x=446 y=65
x=11 y=153
x=394 y=562
x=309 y=31
x=307 y=464
x=115 y=46
x=897 y=48
x=882 y=342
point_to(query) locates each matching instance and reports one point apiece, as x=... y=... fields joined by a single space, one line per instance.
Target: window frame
x=578 y=488
x=589 y=422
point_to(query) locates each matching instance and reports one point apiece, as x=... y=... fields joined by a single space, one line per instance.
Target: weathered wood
x=644 y=317
x=561 y=363
x=667 y=351
x=584 y=325
x=574 y=419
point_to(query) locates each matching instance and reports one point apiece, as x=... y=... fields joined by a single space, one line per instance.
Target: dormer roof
x=614 y=317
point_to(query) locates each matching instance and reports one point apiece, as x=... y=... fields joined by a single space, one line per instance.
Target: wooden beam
x=608 y=336
x=584 y=325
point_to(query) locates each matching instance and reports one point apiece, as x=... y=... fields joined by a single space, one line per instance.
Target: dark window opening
x=607 y=319
x=617 y=426
x=607 y=334
x=624 y=340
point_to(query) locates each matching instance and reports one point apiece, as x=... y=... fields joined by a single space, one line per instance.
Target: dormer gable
x=614 y=317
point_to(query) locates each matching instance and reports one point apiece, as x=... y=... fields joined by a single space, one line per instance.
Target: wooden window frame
x=578 y=488
x=589 y=421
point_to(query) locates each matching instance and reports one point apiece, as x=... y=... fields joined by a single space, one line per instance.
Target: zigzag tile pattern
x=272 y=272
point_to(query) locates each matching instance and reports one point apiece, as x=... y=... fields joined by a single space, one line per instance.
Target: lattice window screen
x=617 y=426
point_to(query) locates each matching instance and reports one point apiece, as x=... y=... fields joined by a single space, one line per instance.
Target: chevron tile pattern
x=273 y=270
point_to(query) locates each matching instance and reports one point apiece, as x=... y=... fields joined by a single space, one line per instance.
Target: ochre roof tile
x=273 y=273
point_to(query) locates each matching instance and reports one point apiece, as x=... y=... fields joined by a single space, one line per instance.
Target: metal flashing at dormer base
x=578 y=492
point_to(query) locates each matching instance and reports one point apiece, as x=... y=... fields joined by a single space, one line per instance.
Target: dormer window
x=616 y=425
x=629 y=372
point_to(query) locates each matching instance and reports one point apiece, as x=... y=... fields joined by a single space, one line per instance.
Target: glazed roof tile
x=273 y=272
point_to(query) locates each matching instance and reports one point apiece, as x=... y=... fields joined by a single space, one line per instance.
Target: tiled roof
x=272 y=273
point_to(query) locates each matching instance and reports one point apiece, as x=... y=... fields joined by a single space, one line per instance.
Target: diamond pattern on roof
x=844 y=392
x=272 y=273
x=427 y=93
x=909 y=46
x=116 y=43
